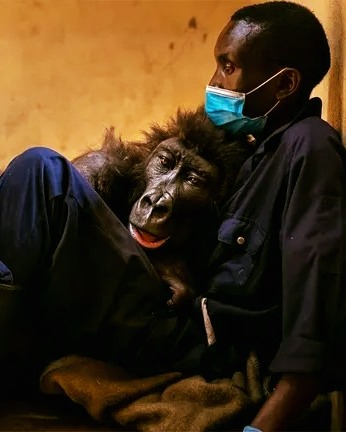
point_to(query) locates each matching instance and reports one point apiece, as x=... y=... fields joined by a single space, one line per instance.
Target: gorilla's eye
x=194 y=180
x=165 y=161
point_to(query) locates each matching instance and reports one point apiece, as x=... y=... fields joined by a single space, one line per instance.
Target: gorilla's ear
x=288 y=83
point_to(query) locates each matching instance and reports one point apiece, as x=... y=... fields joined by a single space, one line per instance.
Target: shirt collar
x=313 y=108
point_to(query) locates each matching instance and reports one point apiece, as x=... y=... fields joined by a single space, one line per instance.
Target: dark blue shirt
x=278 y=271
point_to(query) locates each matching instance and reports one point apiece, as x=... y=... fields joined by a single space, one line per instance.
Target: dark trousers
x=74 y=280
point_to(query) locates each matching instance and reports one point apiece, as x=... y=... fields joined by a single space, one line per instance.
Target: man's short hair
x=289 y=35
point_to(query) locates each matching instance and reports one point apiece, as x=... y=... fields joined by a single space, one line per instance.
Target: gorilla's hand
x=182 y=296
x=179 y=280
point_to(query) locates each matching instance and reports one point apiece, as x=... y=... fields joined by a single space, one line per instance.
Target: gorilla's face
x=179 y=190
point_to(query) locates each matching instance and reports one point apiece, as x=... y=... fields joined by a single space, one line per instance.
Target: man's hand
x=291 y=398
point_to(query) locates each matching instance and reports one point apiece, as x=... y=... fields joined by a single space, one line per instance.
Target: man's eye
x=228 y=67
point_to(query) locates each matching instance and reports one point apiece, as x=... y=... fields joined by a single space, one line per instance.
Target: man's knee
x=36 y=155
x=36 y=170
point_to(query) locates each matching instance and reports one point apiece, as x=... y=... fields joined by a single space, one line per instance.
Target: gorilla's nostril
x=146 y=200
x=161 y=210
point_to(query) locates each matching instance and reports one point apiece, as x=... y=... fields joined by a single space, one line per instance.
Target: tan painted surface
x=332 y=14
x=71 y=68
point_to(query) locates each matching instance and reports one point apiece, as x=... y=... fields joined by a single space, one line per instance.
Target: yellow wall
x=332 y=14
x=70 y=68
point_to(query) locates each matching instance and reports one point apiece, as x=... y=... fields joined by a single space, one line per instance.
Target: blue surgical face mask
x=225 y=109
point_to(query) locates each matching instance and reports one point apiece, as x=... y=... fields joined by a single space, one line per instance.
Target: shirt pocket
x=240 y=242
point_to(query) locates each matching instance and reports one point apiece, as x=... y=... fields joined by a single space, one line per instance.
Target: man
x=277 y=280
x=277 y=272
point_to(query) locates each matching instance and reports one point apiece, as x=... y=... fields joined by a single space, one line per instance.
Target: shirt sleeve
x=313 y=252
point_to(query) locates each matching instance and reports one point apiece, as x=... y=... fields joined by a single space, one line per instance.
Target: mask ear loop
x=265 y=82
x=273 y=107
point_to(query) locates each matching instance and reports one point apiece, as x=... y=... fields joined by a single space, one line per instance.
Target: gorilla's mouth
x=145 y=239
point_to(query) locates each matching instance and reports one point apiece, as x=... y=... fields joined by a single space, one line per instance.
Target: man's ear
x=288 y=83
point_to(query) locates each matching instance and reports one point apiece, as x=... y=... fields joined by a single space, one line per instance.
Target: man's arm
x=313 y=235
x=291 y=397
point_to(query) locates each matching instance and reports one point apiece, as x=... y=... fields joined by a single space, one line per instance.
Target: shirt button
x=240 y=240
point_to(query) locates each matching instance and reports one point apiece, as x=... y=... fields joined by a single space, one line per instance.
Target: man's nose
x=216 y=79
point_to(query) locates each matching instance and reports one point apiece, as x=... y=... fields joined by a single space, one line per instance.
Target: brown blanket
x=167 y=402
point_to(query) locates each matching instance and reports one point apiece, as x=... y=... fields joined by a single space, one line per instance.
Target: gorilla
x=168 y=188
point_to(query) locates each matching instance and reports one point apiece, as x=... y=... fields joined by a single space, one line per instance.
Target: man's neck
x=286 y=114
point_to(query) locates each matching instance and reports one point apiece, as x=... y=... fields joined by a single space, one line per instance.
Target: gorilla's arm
x=90 y=164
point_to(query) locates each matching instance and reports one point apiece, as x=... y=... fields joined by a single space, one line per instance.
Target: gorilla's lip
x=145 y=239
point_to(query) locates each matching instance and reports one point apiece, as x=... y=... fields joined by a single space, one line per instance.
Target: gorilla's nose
x=159 y=206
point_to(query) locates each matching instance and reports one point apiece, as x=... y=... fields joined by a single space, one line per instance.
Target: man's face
x=240 y=67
